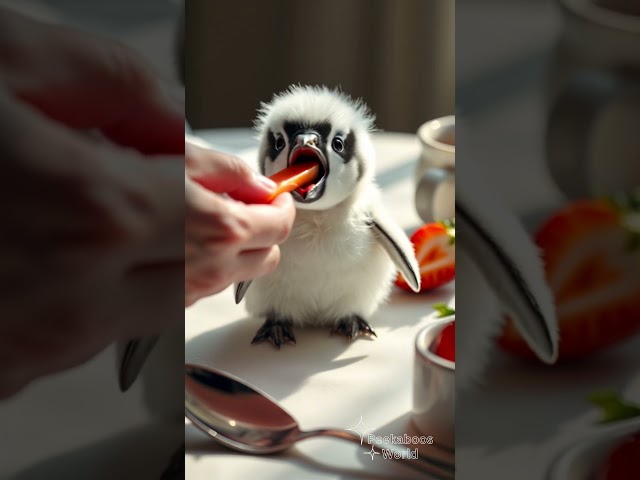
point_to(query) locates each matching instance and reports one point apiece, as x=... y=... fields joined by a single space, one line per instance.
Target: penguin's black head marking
x=323 y=130
x=345 y=147
x=274 y=141
x=328 y=125
x=342 y=143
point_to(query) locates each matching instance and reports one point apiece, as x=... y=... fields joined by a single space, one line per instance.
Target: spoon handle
x=437 y=469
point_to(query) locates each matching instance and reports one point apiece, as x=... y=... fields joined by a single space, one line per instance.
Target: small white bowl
x=434 y=387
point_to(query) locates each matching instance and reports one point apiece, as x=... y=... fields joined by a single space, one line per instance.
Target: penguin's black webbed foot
x=353 y=327
x=276 y=331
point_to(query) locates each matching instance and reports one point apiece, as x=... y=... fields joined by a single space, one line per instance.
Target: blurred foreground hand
x=91 y=206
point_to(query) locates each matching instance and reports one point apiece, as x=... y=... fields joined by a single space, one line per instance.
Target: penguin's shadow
x=229 y=348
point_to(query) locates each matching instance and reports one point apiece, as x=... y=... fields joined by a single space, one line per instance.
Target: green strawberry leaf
x=613 y=407
x=443 y=310
x=450 y=227
x=627 y=204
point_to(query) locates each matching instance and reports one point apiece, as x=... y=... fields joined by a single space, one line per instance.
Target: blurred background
x=84 y=424
x=148 y=26
x=539 y=87
x=397 y=55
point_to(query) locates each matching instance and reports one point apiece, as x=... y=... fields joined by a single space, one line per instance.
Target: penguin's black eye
x=337 y=144
x=280 y=143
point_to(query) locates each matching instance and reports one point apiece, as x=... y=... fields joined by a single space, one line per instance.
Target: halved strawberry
x=594 y=276
x=435 y=251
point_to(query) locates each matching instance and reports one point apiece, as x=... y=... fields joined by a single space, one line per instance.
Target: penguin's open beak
x=306 y=148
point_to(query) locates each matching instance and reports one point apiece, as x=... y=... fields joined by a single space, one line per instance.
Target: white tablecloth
x=321 y=381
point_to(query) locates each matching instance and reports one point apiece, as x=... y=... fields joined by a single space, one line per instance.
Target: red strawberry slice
x=435 y=251
x=594 y=276
x=445 y=344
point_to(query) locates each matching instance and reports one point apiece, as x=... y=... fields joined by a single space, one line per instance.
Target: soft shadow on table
x=555 y=396
x=141 y=453
x=198 y=444
x=229 y=348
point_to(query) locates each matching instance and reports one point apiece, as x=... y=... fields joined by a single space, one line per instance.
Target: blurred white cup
x=436 y=170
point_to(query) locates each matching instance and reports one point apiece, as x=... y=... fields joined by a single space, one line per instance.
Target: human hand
x=91 y=245
x=228 y=240
x=88 y=82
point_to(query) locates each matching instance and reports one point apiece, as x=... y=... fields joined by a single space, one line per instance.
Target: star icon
x=372 y=452
x=356 y=429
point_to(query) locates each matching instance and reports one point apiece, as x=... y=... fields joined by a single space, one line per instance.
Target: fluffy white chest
x=330 y=268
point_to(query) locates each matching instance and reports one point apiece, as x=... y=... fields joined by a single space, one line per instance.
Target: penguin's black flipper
x=134 y=356
x=241 y=289
x=495 y=240
x=398 y=247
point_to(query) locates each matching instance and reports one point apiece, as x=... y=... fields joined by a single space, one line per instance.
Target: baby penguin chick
x=340 y=259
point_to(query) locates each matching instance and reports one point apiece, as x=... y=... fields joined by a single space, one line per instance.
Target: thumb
x=223 y=173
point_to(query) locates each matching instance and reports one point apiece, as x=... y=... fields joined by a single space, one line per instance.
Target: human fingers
x=86 y=81
x=262 y=226
x=208 y=277
x=213 y=219
x=224 y=173
x=165 y=213
x=47 y=166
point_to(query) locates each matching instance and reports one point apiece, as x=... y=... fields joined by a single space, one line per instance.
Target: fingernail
x=266 y=181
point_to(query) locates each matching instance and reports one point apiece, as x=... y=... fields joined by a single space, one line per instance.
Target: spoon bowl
x=237 y=415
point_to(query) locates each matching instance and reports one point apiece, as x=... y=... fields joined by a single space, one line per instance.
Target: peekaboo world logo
x=388 y=445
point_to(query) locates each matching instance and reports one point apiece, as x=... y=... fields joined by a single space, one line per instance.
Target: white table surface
x=321 y=381
x=514 y=425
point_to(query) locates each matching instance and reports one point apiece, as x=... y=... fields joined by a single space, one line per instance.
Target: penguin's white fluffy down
x=314 y=104
x=331 y=267
x=341 y=256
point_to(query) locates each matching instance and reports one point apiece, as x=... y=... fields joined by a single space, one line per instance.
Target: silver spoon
x=243 y=418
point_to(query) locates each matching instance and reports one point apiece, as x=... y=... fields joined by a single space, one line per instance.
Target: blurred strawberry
x=434 y=244
x=622 y=463
x=592 y=265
